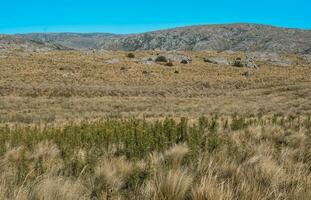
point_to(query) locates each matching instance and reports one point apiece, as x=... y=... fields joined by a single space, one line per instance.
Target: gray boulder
x=307 y=58
x=178 y=58
x=217 y=60
x=146 y=61
x=113 y=61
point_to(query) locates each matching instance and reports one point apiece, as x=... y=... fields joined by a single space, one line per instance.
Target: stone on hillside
x=113 y=61
x=178 y=58
x=270 y=58
x=184 y=62
x=174 y=57
x=217 y=60
x=146 y=60
x=251 y=64
x=307 y=58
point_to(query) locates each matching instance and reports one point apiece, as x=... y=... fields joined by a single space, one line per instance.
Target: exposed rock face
x=217 y=60
x=271 y=58
x=234 y=37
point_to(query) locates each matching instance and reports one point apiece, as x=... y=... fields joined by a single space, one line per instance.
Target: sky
x=24 y=16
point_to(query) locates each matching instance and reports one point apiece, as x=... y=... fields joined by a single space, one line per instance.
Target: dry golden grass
x=70 y=86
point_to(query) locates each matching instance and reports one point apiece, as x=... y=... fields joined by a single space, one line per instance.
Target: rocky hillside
x=9 y=42
x=79 y=41
x=236 y=37
x=233 y=37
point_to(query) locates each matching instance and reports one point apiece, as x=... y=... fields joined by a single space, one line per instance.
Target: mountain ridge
x=216 y=37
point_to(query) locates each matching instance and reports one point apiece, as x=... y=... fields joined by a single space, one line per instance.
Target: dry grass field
x=101 y=125
x=68 y=86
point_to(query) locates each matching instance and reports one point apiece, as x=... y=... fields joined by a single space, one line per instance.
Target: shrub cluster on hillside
x=213 y=158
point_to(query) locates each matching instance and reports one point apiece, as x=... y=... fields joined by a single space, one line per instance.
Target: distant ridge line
x=215 y=37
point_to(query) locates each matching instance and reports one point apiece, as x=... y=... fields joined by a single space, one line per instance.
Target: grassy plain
x=84 y=125
x=61 y=86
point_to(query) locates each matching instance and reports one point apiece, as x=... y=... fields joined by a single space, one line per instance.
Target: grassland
x=85 y=125
x=215 y=158
x=61 y=86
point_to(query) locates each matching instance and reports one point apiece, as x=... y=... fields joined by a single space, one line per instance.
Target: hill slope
x=235 y=37
x=9 y=42
x=79 y=41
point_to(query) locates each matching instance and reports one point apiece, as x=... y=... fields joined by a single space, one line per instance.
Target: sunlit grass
x=212 y=158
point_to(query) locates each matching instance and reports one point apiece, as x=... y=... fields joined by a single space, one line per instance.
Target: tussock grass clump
x=50 y=188
x=171 y=184
x=176 y=153
x=110 y=175
x=212 y=158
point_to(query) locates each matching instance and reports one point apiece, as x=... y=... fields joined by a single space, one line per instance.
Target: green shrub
x=161 y=59
x=238 y=123
x=169 y=64
x=131 y=55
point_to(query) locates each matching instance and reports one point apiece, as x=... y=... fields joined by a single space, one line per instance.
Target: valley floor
x=72 y=86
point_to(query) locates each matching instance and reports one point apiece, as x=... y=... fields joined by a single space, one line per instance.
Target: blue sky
x=21 y=16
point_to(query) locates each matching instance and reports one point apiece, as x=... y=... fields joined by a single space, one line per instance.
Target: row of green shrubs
x=132 y=138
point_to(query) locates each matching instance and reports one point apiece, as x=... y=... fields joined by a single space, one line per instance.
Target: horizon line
x=161 y=27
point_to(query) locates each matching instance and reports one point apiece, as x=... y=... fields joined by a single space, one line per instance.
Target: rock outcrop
x=270 y=58
x=217 y=60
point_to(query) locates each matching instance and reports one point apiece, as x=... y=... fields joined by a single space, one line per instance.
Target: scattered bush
x=131 y=55
x=169 y=64
x=238 y=63
x=238 y=123
x=161 y=59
